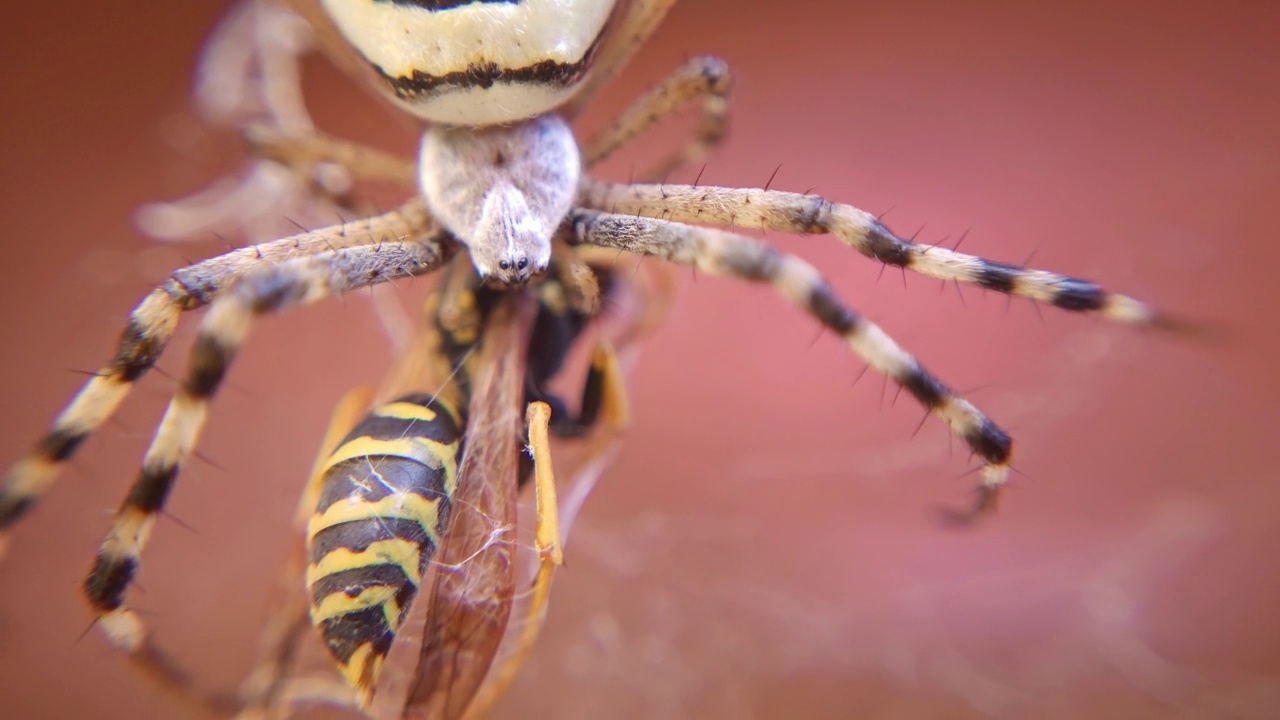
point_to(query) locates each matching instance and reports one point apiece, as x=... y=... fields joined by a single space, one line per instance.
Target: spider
x=499 y=177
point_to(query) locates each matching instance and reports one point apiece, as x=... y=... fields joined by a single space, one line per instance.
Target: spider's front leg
x=862 y=231
x=151 y=325
x=725 y=253
x=222 y=332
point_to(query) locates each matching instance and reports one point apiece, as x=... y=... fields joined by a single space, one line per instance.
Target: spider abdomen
x=385 y=499
x=475 y=62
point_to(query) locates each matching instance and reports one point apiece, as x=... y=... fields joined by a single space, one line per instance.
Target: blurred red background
x=764 y=545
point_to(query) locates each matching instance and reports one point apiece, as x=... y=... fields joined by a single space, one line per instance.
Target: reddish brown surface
x=763 y=547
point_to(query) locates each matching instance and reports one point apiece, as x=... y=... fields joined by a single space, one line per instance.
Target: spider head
x=511 y=245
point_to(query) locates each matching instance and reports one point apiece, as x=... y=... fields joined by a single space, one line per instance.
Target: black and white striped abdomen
x=384 y=502
x=475 y=62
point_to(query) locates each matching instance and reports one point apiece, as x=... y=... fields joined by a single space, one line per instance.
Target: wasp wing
x=467 y=593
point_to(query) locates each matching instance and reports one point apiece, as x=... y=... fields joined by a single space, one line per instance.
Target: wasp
x=415 y=505
x=500 y=180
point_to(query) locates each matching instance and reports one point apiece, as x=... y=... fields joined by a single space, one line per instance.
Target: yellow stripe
x=338 y=603
x=356 y=674
x=402 y=506
x=32 y=476
x=396 y=551
x=429 y=452
x=405 y=411
x=94 y=403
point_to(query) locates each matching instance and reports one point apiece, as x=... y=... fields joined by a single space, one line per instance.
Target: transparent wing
x=453 y=632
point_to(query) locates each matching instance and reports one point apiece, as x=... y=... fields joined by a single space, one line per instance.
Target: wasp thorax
x=502 y=191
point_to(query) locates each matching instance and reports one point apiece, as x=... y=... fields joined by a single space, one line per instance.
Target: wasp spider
x=499 y=177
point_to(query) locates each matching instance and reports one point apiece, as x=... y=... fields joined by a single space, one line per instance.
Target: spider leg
x=151 y=325
x=223 y=330
x=302 y=153
x=249 y=72
x=290 y=623
x=706 y=77
x=640 y=19
x=862 y=231
x=725 y=253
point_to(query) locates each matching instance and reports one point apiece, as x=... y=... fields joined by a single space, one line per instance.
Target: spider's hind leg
x=706 y=77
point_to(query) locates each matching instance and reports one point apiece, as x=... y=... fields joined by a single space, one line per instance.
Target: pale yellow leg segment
x=615 y=409
x=547 y=542
x=547 y=535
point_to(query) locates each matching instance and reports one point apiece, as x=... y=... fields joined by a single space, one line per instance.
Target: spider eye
x=504 y=264
x=522 y=264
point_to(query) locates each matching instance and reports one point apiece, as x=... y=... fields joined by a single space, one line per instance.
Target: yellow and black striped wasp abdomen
x=384 y=502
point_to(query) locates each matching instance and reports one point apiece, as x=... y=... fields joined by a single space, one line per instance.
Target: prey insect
x=500 y=180
x=414 y=507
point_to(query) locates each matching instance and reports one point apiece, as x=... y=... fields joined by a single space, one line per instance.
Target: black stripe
x=925 y=387
x=138 y=352
x=60 y=444
x=808 y=219
x=12 y=508
x=756 y=262
x=887 y=247
x=547 y=72
x=989 y=441
x=824 y=304
x=151 y=488
x=442 y=429
x=345 y=634
x=358 y=535
x=437 y=5
x=352 y=582
x=998 y=276
x=1078 y=295
x=107 y=582
x=209 y=361
x=373 y=477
